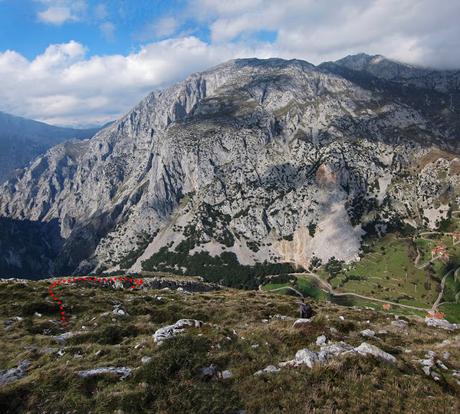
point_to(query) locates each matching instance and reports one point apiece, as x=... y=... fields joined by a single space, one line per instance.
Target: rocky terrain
x=22 y=140
x=194 y=347
x=257 y=165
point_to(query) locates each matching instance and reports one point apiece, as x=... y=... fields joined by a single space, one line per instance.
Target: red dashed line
x=134 y=282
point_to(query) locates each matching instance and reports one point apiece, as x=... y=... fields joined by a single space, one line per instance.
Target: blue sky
x=104 y=27
x=85 y=62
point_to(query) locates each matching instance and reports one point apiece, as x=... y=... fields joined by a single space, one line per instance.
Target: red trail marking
x=134 y=282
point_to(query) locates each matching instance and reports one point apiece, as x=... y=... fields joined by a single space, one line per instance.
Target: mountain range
x=22 y=140
x=249 y=168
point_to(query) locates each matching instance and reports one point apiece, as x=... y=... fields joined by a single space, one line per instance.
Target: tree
x=334 y=267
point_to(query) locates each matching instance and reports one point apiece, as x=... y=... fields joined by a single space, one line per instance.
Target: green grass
x=452 y=311
x=236 y=336
x=309 y=288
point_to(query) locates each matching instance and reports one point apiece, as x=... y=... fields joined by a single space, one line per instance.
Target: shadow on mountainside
x=28 y=248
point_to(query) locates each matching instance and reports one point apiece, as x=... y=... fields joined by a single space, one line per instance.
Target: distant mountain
x=403 y=73
x=22 y=140
x=245 y=167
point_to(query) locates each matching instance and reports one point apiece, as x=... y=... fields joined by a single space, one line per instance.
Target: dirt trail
x=331 y=291
x=443 y=284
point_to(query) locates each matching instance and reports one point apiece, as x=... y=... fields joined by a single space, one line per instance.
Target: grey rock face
x=306 y=357
x=271 y=369
x=368 y=349
x=368 y=333
x=172 y=330
x=332 y=351
x=123 y=372
x=245 y=158
x=442 y=323
x=14 y=374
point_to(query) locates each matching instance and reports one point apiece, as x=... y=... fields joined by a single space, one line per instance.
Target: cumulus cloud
x=424 y=32
x=58 y=12
x=64 y=85
x=56 y=15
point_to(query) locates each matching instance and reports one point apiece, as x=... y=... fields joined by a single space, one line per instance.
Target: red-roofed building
x=436 y=315
x=439 y=250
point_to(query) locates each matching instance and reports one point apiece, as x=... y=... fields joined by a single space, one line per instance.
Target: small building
x=386 y=306
x=436 y=315
x=439 y=250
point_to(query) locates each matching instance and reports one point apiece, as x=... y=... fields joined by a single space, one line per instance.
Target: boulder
x=172 y=330
x=227 y=374
x=118 y=311
x=306 y=357
x=66 y=335
x=301 y=322
x=271 y=369
x=332 y=350
x=209 y=372
x=123 y=372
x=368 y=333
x=321 y=340
x=399 y=323
x=441 y=323
x=14 y=374
x=368 y=349
x=146 y=359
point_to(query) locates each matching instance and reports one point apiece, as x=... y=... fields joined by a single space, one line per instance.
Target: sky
x=87 y=62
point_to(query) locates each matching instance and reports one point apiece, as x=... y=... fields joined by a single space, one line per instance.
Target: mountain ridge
x=252 y=154
x=22 y=140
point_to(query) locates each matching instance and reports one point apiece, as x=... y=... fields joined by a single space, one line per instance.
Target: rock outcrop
x=169 y=331
x=14 y=374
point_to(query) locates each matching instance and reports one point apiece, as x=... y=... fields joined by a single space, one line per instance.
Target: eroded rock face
x=266 y=159
x=172 y=330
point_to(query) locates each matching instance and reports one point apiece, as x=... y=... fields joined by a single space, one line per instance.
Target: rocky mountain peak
x=261 y=161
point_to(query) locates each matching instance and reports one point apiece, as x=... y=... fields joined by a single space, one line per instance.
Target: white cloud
x=423 y=32
x=165 y=26
x=56 y=15
x=58 y=12
x=64 y=86
x=159 y=28
x=108 y=30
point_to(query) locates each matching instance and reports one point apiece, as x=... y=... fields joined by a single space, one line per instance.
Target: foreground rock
x=368 y=333
x=123 y=372
x=331 y=351
x=328 y=352
x=66 y=335
x=271 y=369
x=299 y=323
x=172 y=330
x=368 y=349
x=441 y=323
x=14 y=374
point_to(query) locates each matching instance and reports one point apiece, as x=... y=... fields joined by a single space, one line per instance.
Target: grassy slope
x=170 y=382
x=388 y=272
